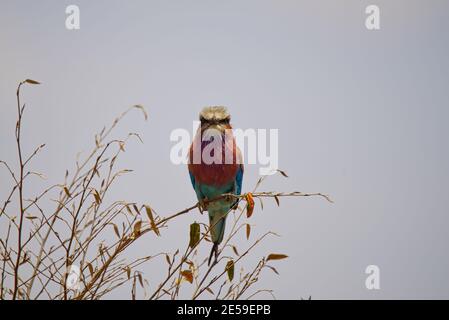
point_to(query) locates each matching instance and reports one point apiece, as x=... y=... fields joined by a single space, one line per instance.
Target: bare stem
x=21 y=213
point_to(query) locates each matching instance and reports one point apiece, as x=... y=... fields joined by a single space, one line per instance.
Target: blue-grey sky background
x=362 y=116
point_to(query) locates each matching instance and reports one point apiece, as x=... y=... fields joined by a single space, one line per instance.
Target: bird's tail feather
x=217 y=228
x=214 y=251
x=217 y=222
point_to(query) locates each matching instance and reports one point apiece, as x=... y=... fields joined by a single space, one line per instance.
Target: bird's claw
x=202 y=206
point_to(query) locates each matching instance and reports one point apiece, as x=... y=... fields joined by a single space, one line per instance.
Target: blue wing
x=192 y=179
x=239 y=180
x=196 y=187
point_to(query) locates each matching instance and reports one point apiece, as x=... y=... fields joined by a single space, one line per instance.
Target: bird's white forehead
x=214 y=113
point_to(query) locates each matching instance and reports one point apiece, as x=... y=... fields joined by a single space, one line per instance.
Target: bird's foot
x=230 y=198
x=202 y=205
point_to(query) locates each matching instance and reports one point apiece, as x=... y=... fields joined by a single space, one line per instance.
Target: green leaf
x=230 y=270
x=194 y=234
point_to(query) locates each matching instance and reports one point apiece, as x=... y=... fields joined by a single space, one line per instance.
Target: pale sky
x=362 y=116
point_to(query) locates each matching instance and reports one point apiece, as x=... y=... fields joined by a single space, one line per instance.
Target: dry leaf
x=116 y=230
x=91 y=269
x=249 y=204
x=188 y=275
x=32 y=81
x=138 y=106
x=67 y=192
x=137 y=226
x=168 y=259
x=139 y=276
x=248 y=231
x=277 y=200
x=129 y=210
x=97 y=197
x=261 y=203
x=272 y=268
x=166 y=292
x=151 y=218
x=276 y=256
x=283 y=173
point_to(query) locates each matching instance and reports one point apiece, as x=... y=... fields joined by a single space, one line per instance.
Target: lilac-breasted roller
x=215 y=168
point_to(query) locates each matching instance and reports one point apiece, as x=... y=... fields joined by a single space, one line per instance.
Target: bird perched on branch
x=216 y=169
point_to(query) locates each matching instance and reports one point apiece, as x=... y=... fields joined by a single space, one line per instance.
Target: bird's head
x=216 y=117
